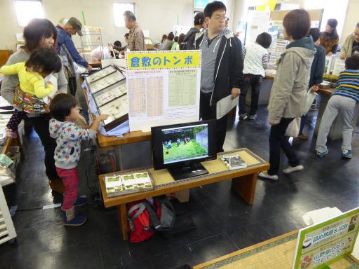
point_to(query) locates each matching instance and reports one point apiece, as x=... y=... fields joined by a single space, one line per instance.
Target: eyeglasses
x=220 y=18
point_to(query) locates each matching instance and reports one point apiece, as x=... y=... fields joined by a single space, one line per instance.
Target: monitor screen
x=174 y=145
x=185 y=143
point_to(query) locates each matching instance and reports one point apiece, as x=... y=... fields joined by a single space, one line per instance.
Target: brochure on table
x=321 y=244
x=163 y=87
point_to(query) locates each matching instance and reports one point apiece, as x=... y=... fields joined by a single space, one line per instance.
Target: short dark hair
x=352 y=62
x=36 y=30
x=117 y=43
x=358 y=25
x=45 y=59
x=198 y=18
x=332 y=23
x=264 y=39
x=176 y=38
x=314 y=33
x=61 y=105
x=181 y=38
x=126 y=35
x=129 y=15
x=297 y=23
x=212 y=7
x=170 y=36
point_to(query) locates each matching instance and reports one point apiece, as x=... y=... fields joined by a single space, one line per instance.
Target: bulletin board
x=163 y=88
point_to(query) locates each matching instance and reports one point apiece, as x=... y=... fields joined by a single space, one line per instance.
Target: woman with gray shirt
x=39 y=33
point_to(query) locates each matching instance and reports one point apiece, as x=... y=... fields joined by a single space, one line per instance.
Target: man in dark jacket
x=222 y=66
x=316 y=73
x=64 y=32
x=191 y=34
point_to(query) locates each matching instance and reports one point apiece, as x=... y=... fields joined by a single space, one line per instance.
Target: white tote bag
x=309 y=99
x=293 y=128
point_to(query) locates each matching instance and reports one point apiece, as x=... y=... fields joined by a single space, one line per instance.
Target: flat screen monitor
x=182 y=147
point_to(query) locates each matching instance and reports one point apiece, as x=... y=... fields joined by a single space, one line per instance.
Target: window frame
x=119 y=23
x=22 y=20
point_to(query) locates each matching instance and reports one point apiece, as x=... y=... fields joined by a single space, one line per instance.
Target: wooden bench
x=243 y=182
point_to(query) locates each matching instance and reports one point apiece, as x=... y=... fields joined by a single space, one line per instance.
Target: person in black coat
x=222 y=66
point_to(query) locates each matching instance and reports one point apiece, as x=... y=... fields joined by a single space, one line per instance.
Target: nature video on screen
x=185 y=143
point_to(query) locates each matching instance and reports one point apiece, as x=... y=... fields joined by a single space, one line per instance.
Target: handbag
x=293 y=128
x=309 y=99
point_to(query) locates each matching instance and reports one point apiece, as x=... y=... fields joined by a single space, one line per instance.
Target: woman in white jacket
x=289 y=90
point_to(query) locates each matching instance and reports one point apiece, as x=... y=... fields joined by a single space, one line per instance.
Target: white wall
x=352 y=18
x=8 y=25
x=157 y=16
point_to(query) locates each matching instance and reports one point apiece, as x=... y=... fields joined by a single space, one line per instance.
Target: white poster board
x=163 y=88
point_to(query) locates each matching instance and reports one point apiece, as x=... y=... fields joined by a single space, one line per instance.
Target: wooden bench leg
x=122 y=220
x=245 y=187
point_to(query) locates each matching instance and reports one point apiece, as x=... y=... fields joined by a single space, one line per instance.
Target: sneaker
x=252 y=117
x=78 y=220
x=321 y=154
x=268 y=176
x=243 y=116
x=302 y=137
x=347 y=154
x=292 y=169
x=72 y=219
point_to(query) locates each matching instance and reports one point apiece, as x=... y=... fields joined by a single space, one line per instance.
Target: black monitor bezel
x=157 y=150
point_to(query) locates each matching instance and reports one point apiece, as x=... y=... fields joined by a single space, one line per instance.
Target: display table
x=128 y=138
x=243 y=182
x=274 y=253
x=337 y=127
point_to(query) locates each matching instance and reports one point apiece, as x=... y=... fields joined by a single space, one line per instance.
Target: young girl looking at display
x=68 y=134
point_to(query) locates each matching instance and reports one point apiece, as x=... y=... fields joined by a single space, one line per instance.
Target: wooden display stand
x=243 y=182
x=271 y=254
x=128 y=138
x=4 y=56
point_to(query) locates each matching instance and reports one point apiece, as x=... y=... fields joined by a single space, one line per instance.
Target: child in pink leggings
x=68 y=135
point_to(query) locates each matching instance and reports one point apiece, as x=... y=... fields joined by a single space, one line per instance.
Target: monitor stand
x=187 y=170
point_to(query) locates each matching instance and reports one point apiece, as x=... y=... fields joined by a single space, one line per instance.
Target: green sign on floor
x=323 y=243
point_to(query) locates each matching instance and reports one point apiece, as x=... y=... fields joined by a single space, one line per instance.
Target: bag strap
x=153 y=216
x=167 y=203
x=140 y=207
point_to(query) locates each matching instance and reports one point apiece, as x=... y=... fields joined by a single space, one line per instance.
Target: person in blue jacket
x=68 y=52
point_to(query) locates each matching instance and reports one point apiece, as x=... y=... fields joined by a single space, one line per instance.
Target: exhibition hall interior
x=184 y=134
